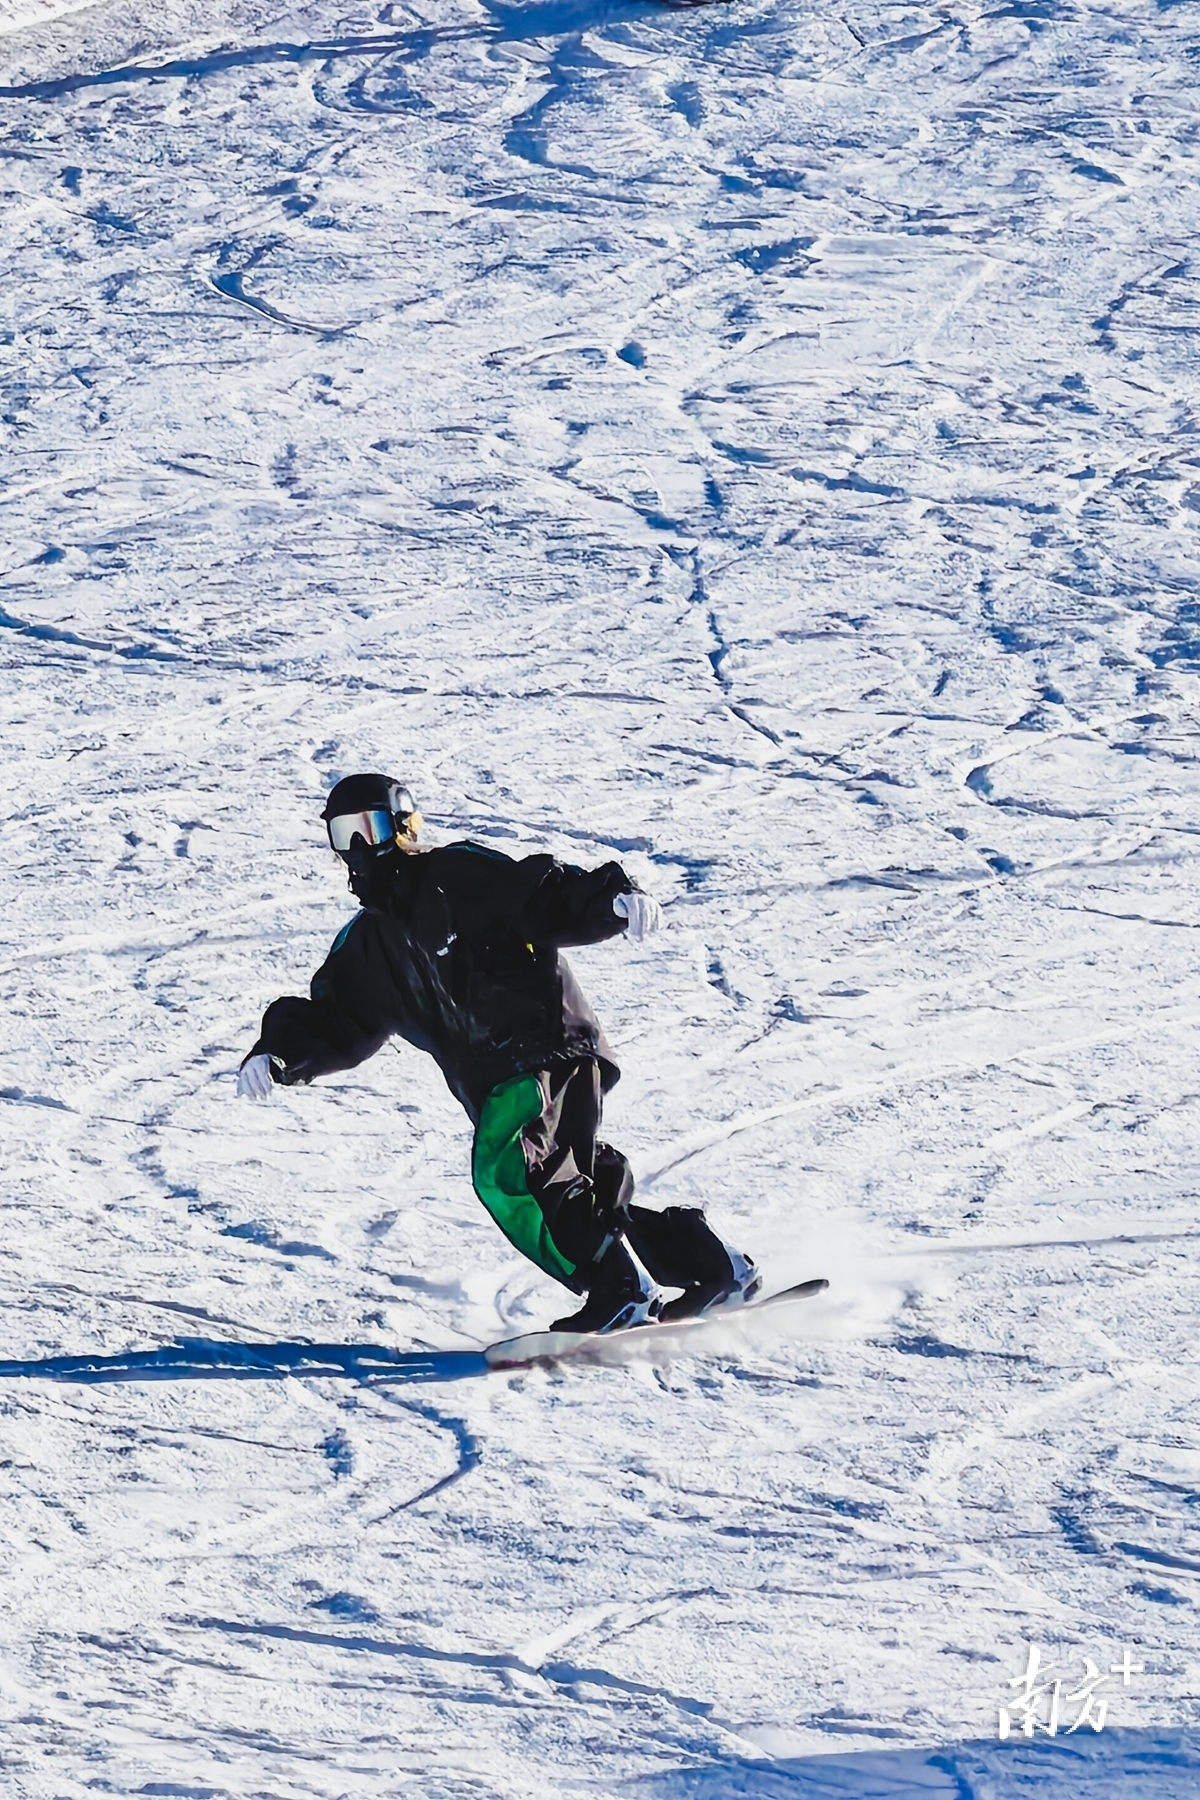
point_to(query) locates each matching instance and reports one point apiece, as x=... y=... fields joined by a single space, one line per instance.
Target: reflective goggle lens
x=375 y=827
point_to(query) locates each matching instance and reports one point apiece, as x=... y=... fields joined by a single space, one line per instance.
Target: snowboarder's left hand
x=642 y=912
x=255 y=1081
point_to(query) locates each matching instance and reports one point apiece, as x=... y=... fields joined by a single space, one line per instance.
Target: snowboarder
x=456 y=949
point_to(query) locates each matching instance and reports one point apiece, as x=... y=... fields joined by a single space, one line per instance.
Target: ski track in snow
x=756 y=442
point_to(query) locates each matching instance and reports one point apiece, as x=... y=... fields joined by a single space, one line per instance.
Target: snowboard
x=556 y=1346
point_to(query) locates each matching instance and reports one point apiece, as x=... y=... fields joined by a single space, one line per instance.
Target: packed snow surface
x=757 y=442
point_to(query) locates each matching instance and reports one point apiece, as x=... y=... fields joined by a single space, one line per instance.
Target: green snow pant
x=555 y=1193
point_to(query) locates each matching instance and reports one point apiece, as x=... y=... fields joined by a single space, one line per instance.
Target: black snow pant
x=561 y=1195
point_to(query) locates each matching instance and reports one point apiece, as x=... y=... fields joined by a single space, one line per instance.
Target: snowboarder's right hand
x=254 y=1079
x=642 y=912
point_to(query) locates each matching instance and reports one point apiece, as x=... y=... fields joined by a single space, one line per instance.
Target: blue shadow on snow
x=1113 y=1764
x=206 y=1359
x=540 y=18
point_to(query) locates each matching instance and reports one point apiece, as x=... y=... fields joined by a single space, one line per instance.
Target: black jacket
x=456 y=950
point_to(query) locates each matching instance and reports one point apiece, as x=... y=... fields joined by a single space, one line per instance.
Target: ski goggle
x=377 y=826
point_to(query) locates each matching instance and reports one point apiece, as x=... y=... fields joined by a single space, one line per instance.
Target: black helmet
x=375 y=808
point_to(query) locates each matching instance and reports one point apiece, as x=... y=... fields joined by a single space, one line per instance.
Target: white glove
x=641 y=910
x=254 y=1080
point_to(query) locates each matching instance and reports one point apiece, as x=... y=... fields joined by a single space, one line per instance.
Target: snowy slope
x=16 y=15
x=757 y=442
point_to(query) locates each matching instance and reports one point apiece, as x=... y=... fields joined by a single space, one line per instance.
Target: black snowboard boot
x=680 y=1249
x=618 y=1295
